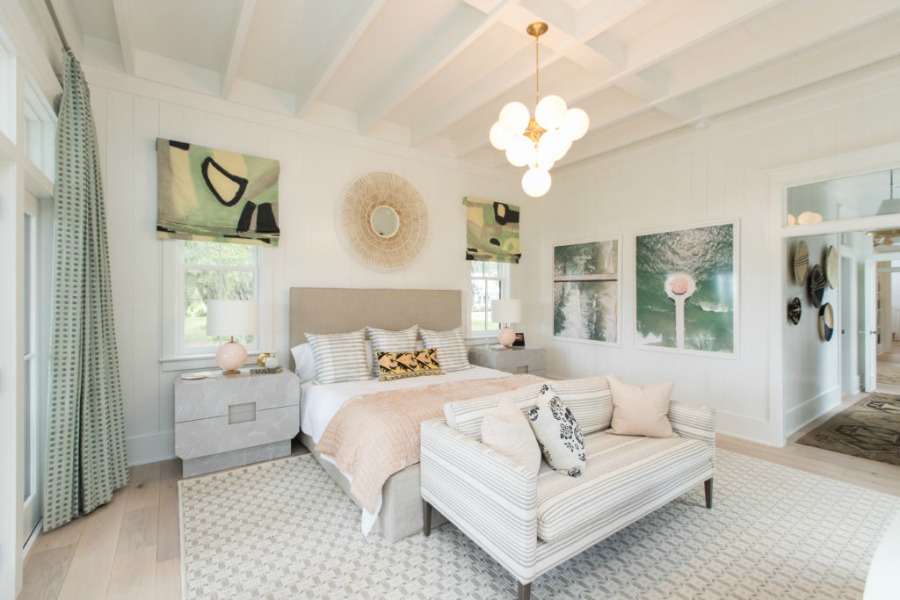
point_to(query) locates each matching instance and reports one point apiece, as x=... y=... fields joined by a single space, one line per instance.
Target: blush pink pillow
x=640 y=411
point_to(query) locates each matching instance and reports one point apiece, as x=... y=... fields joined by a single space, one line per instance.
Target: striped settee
x=531 y=522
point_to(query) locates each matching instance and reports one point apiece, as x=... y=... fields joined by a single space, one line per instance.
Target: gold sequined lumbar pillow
x=399 y=365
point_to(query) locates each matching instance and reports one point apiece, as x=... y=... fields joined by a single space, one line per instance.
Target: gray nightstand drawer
x=216 y=435
x=206 y=398
x=512 y=360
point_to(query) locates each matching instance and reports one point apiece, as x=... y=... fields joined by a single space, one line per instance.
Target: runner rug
x=868 y=429
x=283 y=529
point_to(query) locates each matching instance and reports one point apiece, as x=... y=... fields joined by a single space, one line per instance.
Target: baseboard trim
x=153 y=447
x=811 y=409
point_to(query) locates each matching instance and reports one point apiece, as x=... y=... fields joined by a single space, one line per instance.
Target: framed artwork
x=586 y=291
x=686 y=289
x=519 y=341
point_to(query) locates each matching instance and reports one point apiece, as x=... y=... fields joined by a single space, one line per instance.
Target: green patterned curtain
x=85 y=458
x=492 y=231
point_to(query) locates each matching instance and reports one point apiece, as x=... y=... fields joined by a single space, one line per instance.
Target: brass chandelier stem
x=536 y=30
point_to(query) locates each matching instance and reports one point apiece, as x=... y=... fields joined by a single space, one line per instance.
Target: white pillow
x=304 y=362
x=558 y=433
x=452 y=352
x=639 y=411
x=383 y=340
x=340 y=356
x=505 y=429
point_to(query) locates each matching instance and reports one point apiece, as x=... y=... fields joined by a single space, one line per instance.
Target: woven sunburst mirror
x=384 y=220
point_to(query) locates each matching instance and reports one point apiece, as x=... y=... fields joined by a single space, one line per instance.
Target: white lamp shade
x=231 y=317
x=506 y=311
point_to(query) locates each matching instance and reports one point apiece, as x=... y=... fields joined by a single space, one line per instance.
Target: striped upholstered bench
x=531 y=522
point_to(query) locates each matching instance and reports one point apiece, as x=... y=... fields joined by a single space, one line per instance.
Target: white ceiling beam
x=453 y=39
x=245 y=17
x=344 y=40
x=126 y=39
x=594 y=20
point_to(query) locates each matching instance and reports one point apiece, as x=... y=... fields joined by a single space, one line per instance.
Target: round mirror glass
x=385 y=221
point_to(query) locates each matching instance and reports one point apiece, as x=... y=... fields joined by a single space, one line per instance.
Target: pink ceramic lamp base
x=506 y=337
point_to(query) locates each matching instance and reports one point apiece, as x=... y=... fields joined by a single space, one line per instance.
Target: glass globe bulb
x=575 y=124
x=550 y=112
x=520 y=151
x=542 y=158
x=536 y=182
x=515 y=117
x=555 y=144
x=501 y=136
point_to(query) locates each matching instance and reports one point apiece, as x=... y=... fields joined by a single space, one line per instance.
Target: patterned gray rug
x=283 y=529
x=869 y=429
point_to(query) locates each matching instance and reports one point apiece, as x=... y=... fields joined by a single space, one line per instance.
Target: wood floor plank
x=133 y=575
x=47 y=572
x=144 y=487
x=67 y=535
x=168 y=579
x=88 y=574
x=168 y=544
x=139 y=529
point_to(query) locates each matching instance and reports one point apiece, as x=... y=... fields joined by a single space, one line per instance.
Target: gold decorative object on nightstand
x=261 y=359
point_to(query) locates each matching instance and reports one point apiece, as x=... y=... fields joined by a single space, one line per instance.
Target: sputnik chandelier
x=540 y=141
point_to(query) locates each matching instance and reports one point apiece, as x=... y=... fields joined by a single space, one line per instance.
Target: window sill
x=199 y=361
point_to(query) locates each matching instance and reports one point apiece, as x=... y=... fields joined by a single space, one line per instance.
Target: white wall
x=694 y=177
x=317 y=167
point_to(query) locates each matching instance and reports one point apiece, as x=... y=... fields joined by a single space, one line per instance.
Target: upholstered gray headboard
x=339 y=310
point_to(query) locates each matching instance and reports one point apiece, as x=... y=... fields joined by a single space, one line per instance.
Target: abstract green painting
x=686 y=289
x=586 y=291
x=210 y=195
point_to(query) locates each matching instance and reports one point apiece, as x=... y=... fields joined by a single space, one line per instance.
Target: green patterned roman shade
x=85 y=459
x=492 y=231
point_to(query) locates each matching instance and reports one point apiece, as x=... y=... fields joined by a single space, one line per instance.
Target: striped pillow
x=339 y=356
x=452 y=352
x=391 y=341
x=590 y=401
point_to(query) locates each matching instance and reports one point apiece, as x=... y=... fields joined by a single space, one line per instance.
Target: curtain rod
x=59 y=29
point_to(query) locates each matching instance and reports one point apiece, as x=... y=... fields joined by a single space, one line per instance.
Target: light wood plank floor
x=130 y=547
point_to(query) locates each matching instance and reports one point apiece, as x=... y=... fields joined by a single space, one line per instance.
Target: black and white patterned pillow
x=557 y=433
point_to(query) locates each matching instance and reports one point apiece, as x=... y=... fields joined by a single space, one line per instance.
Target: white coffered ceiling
x=433 y=74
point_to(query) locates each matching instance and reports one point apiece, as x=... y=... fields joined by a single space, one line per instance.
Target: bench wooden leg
x=426 y=518
x=708 y=489
x=524 y=591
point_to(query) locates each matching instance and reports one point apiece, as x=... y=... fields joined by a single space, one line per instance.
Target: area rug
x=868 y=429
x=283 y=529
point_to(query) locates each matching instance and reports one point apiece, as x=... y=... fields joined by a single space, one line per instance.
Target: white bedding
x=319 y=403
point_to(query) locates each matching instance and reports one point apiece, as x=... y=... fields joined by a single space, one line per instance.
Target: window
x=211 y=270
x=490 y=281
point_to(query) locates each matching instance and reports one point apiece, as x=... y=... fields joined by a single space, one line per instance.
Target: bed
x=337 y=310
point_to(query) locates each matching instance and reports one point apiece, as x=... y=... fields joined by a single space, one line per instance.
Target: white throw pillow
x=505 y=429
x=383 y=340
x=558 y=433
x=452 y=352
x=639 y=411
x=340 y=356
x=304 y=362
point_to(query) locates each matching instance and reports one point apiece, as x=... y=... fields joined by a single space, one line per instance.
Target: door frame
x=879 y=158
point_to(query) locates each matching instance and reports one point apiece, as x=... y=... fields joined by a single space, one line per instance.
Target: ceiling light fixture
x=540 y=141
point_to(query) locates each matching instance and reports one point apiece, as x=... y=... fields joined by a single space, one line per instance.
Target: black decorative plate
x=801 y=262
x=826 y=322
x=816 y=281
x=795 y=309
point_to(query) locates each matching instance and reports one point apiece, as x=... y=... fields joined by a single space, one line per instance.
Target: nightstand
x=511 y=360
x=225 y=422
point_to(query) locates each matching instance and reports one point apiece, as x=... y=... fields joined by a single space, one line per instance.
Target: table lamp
x=506 y=311
x=228 y=318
